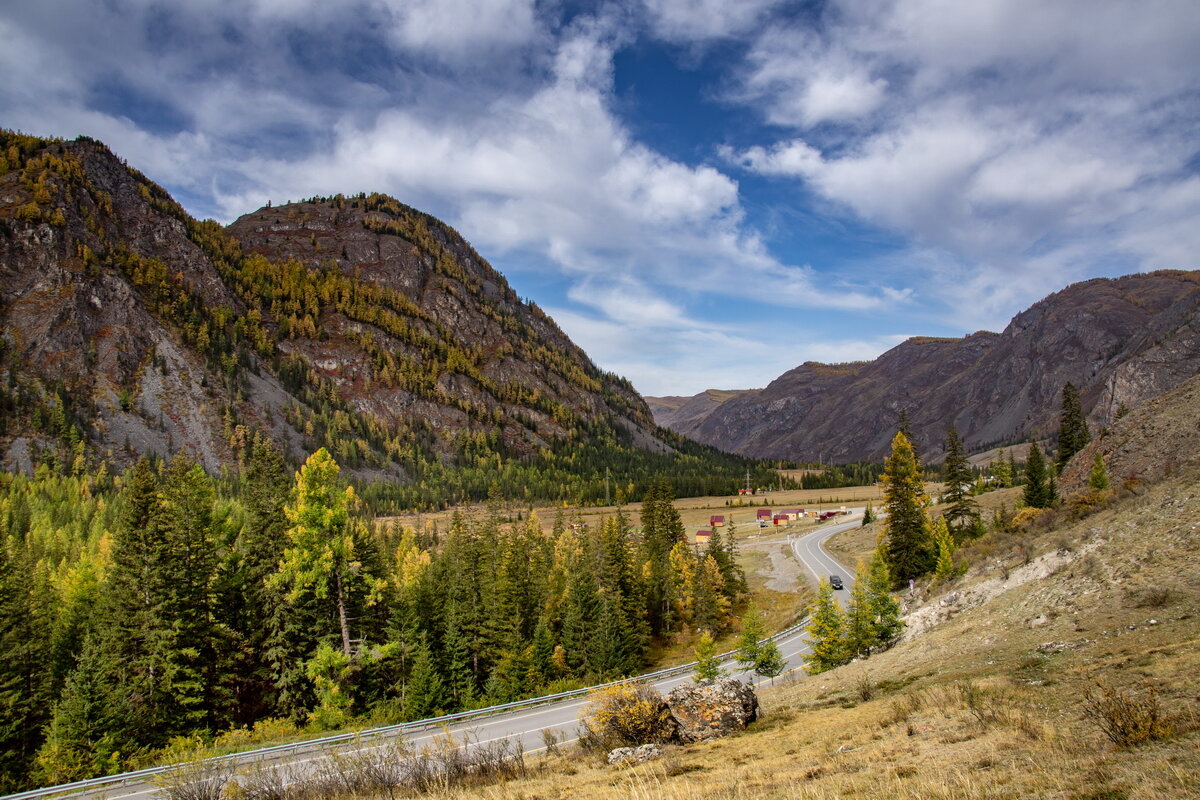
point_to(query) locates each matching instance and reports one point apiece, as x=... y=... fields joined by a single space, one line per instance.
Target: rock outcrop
x=710 y=709
x=1121 y=342
x=634 y=755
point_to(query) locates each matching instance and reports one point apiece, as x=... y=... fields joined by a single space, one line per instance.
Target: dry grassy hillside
x=987 y=695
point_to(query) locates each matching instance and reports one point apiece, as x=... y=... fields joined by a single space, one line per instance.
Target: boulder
x=634 y=755
x=712 y=708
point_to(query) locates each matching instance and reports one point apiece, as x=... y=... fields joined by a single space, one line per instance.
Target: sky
x=703 y=193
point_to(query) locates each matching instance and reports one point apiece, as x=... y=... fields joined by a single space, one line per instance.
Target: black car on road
x=835 y=581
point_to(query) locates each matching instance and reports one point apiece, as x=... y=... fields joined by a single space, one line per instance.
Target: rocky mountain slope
x=1120 y=341
x=359 y=324
x=683 y=413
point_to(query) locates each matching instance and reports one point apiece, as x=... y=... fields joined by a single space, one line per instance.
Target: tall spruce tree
x=253 y=609
x=963 y=512
x=909 y=546
x=1038 y=490
x=1073 y=433
x=662 y=529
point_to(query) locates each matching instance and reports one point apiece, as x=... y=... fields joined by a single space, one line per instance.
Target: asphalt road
x=526 y=726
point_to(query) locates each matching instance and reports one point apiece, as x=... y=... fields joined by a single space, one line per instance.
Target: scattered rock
x=1039 y=621
x=634 y=755
x=712 y=708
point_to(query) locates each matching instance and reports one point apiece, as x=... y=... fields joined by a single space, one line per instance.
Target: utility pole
x=747 y=481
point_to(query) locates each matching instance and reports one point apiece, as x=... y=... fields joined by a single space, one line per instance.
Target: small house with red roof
x=717 y=520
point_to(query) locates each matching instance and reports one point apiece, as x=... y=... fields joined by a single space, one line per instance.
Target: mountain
x=682 y=413
x=358 y=324
x=1120 y=341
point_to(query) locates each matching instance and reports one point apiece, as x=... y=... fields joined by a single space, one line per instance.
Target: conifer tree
x=26 y=608
x=662 y=530
x=885 y=610
x=770 y=662
x=423 y=693
x=191 y=642
x=868 y=515
x=80 y=740
x=1038 y=492
x=909 y=547
x=945 y=548
x=254 y=609
x=748 y=646
x=826 y=632
x=708 y=666
x=1098 y=476
x=323 y=556
x=1001 y=470
x=963 y=512
x=1073 y=434
x=860 y=622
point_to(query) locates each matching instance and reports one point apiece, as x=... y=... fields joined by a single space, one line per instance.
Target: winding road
x=525 y=725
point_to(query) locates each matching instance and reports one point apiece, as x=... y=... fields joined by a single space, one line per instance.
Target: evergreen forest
x=160 y=607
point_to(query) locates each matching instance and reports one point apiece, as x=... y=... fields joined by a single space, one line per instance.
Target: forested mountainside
x=1120 y=341
x=358 y=324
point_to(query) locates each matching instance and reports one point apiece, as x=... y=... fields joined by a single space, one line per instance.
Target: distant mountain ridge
x=356 y=323
x=1121 y=341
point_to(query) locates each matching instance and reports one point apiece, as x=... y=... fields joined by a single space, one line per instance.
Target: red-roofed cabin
x=703 y=536
x=717 y=521
x=781 y=519
x=764 y=513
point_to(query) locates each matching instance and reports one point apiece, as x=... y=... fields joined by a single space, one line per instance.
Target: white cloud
x=456 y=27
x=1022 y=143
x=689 y=20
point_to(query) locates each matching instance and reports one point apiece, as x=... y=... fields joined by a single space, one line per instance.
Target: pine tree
x=909 y=547
x=770 y=662
x=868 y=515
x=748 y=646
x=1038 y=493
x=1098 y=476
x=963 y=512
x=1001 y=470
x=80 y=742
x=423 y=693
x=323 y=556
x=662 y=530
x=1073 y=434
x=885 y=610
x=860 y=622
x=708 y=666
x=251 y=607
x=26 y=608
x=826 y=632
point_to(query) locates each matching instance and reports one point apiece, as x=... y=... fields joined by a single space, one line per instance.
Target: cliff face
x=358 y=323
x=1120 y=341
